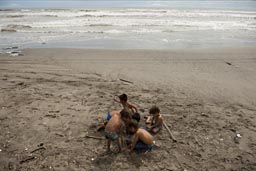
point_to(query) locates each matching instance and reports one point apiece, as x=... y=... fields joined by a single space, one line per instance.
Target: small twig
x=228 y=63
x=94 y=137
x=27 y=159
x=40 y=148
x=126 y=81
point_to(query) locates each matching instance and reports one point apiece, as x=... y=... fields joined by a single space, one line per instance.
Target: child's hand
x=128 y=151
x=116 y=98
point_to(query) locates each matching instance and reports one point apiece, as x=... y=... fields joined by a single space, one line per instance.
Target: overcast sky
x=226 y=4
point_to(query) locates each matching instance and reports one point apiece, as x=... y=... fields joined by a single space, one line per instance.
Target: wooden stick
x=126 y=81
x=94 y=137
x=40 y=148
x=169 y=131
x=27 y=159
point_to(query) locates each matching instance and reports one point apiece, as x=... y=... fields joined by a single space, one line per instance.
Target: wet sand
x=52 y=98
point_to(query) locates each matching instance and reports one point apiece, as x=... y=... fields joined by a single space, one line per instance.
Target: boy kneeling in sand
x=115 y=127
x=142 y=139
x=155 y=122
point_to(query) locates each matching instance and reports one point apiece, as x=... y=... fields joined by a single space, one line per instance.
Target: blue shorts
x=142 y=146
x=108 y=116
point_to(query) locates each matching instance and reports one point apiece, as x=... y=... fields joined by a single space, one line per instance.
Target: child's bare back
x=115 y=124
x=142 y=139
x=144 y=136
x=115 y=127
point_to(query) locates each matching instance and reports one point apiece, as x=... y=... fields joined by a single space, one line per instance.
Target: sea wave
x=134 y=13
x=128 y=22
x=15 y=27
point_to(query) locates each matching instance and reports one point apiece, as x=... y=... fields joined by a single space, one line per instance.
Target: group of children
x=127 y=122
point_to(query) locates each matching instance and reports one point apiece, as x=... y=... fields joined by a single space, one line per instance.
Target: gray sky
x=226 y=4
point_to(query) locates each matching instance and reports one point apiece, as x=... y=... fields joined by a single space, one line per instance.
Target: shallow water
x=128 y=28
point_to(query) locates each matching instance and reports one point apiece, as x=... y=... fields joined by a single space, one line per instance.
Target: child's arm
x=159 y=122
x=134 y=141
x=120 y=139
x=133 y=108
x=149 y=120
x=116 y=100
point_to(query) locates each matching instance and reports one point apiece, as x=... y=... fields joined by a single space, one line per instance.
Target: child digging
x=154 y=123
x=115 y=127
x=142 y=139
x=123 y=99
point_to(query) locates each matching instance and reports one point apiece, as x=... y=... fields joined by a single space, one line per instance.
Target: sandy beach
x=50 y=99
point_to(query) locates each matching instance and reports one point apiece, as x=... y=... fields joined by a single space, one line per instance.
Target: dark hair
x=133 y=124
x=123 y=97
x=136 y=116
x=125 y=114
x=154 y=110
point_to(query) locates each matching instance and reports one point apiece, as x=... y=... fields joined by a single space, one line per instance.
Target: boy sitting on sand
x=154 y=123
x=142 y=139
x=126 y=105
x=115 y=127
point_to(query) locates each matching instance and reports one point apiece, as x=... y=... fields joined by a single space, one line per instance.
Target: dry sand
x=50 y=99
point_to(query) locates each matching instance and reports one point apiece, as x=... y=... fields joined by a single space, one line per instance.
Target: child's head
x=154 y=111
x=133 y=126
x=123 y=98
x=136 y=116
x=125 y=115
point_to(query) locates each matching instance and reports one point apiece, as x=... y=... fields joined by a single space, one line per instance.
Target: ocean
x=127 y=24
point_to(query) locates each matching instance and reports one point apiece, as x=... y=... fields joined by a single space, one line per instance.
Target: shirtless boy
x=142 y=139
x=123 y=99
x=115 y=127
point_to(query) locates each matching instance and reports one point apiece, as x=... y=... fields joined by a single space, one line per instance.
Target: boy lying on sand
x=154 y=123
x=115 y=127
x=142 y=139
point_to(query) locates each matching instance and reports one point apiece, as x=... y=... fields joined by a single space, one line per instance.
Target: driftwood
x=94 y=137
x=228 y=63
x=169 y=131
x=126 y=81
x=27 y=159
x=40 y=148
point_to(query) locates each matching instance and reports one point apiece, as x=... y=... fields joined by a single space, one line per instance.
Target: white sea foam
x=128 y=22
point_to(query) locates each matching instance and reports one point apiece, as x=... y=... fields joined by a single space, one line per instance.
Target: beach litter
x=15 y=53
x=10 y=47
x=237 y=137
